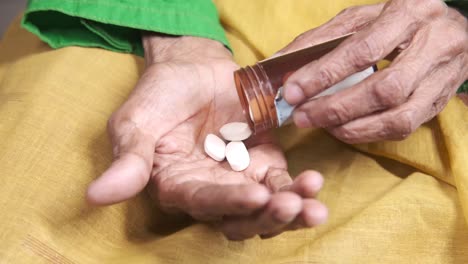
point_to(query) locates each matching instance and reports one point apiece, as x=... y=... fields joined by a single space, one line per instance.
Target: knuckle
x=459 y=45
x=403 y=125
x=345 y=134
x=350 y=11
x=350 y=19
x=313 y=84
x=301 y=37
x=326 y=78
x=390 y=91
x=428 y=9
x=120 y=122
x=366 y=52
x=432 y=8
x=459 y=40
x=336 y=114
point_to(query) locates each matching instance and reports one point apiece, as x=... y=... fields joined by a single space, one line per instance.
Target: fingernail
x=293 y=94
x=301 y=120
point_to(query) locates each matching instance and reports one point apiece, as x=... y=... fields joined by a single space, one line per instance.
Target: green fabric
x=116 y=24
x=463 y=88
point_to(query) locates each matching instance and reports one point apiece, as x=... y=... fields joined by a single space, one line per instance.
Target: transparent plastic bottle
x=259 y=86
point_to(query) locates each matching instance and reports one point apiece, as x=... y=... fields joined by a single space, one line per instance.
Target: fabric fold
x=116 y=25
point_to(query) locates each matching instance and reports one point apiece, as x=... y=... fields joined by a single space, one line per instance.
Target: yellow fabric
x=390 y=202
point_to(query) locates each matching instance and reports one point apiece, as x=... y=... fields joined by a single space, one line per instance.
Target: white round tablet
x=236 y=131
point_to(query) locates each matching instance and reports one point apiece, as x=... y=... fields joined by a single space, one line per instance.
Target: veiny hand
x=158 y=133
x=432 y=41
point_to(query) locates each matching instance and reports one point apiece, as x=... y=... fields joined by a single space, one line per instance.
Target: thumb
x=130 y=171
x=346 y=22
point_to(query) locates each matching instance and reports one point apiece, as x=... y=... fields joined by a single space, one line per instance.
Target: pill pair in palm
x=235 y=151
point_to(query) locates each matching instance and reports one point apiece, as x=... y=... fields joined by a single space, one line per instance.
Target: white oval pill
x=236 y=131
x=237 y=156
x=215 y=147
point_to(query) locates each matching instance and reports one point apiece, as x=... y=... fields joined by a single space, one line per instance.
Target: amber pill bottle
x=258 y=85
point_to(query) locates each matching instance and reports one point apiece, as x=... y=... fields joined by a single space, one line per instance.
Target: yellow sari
x=390 y=202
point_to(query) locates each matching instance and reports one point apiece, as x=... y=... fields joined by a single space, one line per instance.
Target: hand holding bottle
x=432 y=41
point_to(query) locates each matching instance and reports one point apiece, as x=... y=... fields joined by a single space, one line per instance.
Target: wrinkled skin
x=432 y=62
x=186 y=92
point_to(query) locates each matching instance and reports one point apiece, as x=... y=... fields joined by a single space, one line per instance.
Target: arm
x=186 y=92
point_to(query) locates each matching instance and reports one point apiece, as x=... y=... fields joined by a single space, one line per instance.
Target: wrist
x=161 y=47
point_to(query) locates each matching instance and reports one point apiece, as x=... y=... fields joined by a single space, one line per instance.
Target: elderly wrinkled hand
x=431 y=41
x=186 y=93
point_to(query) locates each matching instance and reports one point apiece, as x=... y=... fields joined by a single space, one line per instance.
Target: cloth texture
x=389 y=202
x=117 y=24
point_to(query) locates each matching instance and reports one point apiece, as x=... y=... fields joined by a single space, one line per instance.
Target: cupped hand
x=430 y=42
x=186 y=93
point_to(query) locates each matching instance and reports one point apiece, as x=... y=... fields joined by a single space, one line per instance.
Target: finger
x=393 y=28
x=384 y=89
x=263 y=158
x=307 y=184
x=280 y=211
x=313 y=213
x=278 y=179
x=128 y=174
x=133 y=146
x=398 y=123
x=347 y=21
x=208 y=201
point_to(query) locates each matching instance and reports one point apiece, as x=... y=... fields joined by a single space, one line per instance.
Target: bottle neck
x=258 y=85
x=257 y=97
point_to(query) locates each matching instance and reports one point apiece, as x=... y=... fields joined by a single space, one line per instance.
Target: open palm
x=158 y=137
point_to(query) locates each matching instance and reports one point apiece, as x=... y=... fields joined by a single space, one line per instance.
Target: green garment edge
x=116 y=25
